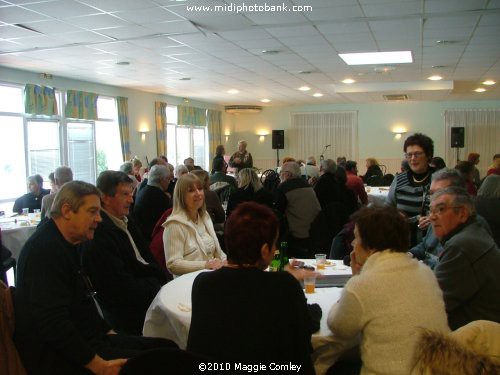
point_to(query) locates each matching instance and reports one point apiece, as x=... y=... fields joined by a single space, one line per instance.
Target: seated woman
x=240 y=313
x=189 y=238
x=249 y=189
x=390 y=296
x=372 y=169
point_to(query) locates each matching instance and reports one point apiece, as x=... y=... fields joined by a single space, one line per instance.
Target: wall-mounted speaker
x=457 y=136
x=278 y=139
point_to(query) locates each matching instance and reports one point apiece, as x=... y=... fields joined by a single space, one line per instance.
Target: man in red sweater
x=354 y=182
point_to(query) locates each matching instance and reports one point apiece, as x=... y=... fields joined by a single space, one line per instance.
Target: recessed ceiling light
x=232 y=91
x=265 y=100
x=304 y=88
x=123 y=63
x=438 y=66
x=445 y=42
x=435 y=78
x=185 y=79
x=489 y=82
x=480 y=89
x=305 y=72
x=348 y=80
x=317 y=94
x=269 y=52
x=371 y=58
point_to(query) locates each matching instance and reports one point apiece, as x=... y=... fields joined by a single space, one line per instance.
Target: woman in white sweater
x=189 y=238
x=389 y=297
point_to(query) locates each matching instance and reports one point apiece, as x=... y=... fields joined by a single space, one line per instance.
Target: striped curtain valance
x=81 y=105
x=191 y=116
x=40 y=100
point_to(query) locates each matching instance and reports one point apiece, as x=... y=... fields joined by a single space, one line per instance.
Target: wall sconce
x=398 y=132
x=262 y=135
x=227 y=136
x=143 y=134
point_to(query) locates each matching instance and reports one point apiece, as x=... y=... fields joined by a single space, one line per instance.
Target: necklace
x=422 y=180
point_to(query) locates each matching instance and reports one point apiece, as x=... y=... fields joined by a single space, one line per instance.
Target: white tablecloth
x=169 y=315
x=377 y=195
x=15 y=232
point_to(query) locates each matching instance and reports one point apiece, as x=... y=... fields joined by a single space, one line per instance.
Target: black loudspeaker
x=457 y=137
x=278 y=139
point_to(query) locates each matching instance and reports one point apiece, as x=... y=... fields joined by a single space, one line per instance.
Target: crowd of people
x=100 y=243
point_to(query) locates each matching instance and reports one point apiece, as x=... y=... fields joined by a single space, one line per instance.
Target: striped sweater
x=408 y=196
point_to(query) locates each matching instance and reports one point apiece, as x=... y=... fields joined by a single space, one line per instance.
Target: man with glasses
x=469 y=264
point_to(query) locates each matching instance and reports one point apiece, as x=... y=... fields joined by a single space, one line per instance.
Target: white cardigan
x=183 y=246
x=386 y=303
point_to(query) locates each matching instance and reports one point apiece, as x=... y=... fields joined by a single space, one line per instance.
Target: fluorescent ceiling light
x=435 y=78
x=369 y=58
x=265 y=100
x=348 y=80
x=317 y=94
x=304 y=88
x=489 y=82
x=232 y=91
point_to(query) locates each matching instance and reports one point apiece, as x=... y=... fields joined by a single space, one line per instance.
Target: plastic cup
x=320 y=261
x=26 y=211
x=309 y=284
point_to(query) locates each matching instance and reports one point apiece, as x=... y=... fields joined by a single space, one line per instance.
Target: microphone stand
x=321 y=157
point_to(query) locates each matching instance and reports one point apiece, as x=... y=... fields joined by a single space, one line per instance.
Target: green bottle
x=284 y=255
x=275 y=265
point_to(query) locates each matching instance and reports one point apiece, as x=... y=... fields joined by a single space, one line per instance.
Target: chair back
x=10 y=362
x=387 y=179
x=156 y=245
x=270 y=180
x=374 y=180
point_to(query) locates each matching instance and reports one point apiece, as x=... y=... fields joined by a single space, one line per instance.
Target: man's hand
x=423 y=222
x=100 y=366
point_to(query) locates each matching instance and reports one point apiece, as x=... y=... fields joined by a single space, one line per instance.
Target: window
x=39 y=144
x=185 y=141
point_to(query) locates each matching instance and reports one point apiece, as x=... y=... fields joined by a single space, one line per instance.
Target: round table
x=169 y=315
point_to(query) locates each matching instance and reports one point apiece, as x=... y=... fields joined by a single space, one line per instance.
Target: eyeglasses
x=409 y=155
x=441 y=209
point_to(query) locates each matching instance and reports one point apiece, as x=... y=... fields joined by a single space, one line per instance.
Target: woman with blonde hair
x=372 y=169
x=249 y=189
x=189 y=238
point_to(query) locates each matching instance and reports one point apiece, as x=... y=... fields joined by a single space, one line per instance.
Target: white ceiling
x=164 y=42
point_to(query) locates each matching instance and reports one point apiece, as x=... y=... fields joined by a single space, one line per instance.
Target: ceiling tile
x=15 y=15
x=62 y=9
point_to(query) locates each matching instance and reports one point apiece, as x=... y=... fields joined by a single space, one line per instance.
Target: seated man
x=152 y=200
x=468 y=266
x=296 y=199
x=354 y=182
x=33 y=199
x=61 y=176
x=58 y=328
x=220 y=174
x=118 y=261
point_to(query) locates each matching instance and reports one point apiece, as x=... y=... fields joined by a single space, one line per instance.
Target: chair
x=164 y=361
x=7 y=262
x=387 y=179
x=270 y=180
x=156 y=245
x=374 y=180
x=11 y=362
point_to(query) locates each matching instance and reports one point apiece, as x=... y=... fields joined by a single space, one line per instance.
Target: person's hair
x=203 y=176
x=218 y=165
x=293 y=168
x=438 y=162
x=52 y=178
x=465 y=167
x=189 y=160
x=243 y=142
x=460 y=198
x=419 y=139
x=350 y=165
x=490 y=188
x=164 y=158
x=405 y=166
x=36 y=178
x=219 y=150
x=247 y=177
x=127 y=167
x=473 y=157
x=341 y=160
x=108 y=181
x=340 y=175
x=311 y=160
x=63 y=175
x=382 y=228
x=184 y=184
x=135 y=162
x=249 y=226
x=72 y=193
x=158 y=172
x=452 y=175
x=286 y=159
x=328 y=166
x=180 y=170
x=371 y=161
x=156 y=161
x=496 y=156
x=170 y=169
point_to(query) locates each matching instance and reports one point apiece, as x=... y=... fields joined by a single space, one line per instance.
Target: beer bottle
x=284 y=255
x=275 y=265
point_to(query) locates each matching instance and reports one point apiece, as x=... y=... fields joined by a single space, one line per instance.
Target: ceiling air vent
x=396 y=97
x=243 y=108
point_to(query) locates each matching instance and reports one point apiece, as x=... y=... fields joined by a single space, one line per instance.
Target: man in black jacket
x=118 y=261
x=58 y=328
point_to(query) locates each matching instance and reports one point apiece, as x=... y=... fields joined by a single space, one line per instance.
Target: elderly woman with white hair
x=241 y=158
x=249 y=189
x=189 y=238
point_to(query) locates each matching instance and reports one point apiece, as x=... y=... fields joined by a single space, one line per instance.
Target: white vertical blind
x=312 y=131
